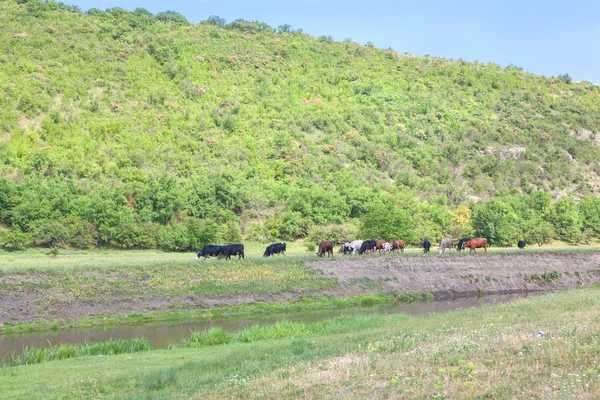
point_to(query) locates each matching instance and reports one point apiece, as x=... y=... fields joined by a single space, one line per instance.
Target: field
x=105 y=287
x=545 y=347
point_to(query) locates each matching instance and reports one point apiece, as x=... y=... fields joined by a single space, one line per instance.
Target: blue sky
x=543 y=37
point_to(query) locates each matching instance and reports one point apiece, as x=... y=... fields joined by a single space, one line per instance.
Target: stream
x=161 y=335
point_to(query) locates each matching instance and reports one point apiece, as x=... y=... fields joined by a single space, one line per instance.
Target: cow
x=386 y=247
x=476 y=243
x=356 y=245
x=233 y=250
x=368 y=245
x=398 y=245
x=521 y=244
x=346 y=249
x=426 y=246
x=210 y=251
x=378 y=245
x=275 y=248
x=461 y=242
x=325 y=247
x=446 y=243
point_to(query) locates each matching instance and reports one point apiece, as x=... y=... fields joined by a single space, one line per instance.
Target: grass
x=491 y=352
x=33 y=355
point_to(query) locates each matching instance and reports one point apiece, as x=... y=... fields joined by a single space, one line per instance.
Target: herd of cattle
x=355 y=247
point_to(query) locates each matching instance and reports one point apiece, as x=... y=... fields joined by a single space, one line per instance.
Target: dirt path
x=444 y=276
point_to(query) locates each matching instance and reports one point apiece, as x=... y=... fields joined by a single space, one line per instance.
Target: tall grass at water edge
x=36 y=355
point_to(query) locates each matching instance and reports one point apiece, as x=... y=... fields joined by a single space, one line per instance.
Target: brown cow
x=379 y=245
x=325 y=247
x=398 y=245
x=476 y=243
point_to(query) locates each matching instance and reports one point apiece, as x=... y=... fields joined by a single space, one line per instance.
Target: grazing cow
x=398 y=245
x=368 y=245
x=233 y=250
x=210 y=251
x=476 y=243
x=346 y=249
x=426 y=246
x=356 y=245
x=325 y=247
x=460 y=246
x=446 y=243
x=521 y=244
x=378 y=245
x=275 y=248
x=386 y=247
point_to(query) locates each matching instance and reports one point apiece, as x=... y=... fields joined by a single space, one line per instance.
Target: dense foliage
x=138 y=130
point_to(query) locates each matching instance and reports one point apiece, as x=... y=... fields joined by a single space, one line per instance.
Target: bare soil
x=444 y=276
x=463 y=275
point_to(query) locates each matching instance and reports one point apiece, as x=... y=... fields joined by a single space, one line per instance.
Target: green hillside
x=130 y=129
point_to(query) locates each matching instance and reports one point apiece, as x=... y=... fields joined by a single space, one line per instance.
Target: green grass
x=489 y=352
x=37 y=259
x=32 y=355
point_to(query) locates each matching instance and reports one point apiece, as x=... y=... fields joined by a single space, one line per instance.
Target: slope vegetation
x=118 y=124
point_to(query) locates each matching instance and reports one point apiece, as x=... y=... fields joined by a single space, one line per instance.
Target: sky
x=550 y=38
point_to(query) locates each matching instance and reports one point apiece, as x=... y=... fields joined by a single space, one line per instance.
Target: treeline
x=167 y=214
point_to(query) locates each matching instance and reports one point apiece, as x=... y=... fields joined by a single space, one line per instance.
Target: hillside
x=117 y=125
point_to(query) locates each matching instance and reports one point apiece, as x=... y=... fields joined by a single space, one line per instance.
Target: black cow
x=368 y=245
x=521 y=244
x=275 y=248
x=233 y=250
x=210 y=251
x=426 y=246
x=461 y=243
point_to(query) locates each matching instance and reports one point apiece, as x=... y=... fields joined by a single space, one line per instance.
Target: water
x=163 y=334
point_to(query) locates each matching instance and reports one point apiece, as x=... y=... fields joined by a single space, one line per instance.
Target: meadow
x=543 y=347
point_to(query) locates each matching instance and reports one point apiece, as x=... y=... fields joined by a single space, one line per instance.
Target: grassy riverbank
x=79 y=289
x=540 y=347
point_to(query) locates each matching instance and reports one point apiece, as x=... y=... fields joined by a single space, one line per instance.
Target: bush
x=50 y=233
x=15 y=238
x=287 y=226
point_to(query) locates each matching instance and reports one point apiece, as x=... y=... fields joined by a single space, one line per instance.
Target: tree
x=287 y=225
x=385 y=221
x=496 y=221
x=537 y=231
x=15 y=238
x=567 y=220
x=230 y=233
x=171 y=16
x=460 y=223
x=589 y=208
x=215 y=20
x=50 y=233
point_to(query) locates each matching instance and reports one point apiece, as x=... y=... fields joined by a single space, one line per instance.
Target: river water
x=163 y=334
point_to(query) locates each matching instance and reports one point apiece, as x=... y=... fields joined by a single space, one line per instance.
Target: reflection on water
x=162 y=335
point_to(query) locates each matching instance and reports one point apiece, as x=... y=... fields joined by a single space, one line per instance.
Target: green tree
x=537 y=231
x=589 y=208
x=496 y=221
x=567 y=220
x=385 y=221
x=15 y=238
x=50 y=233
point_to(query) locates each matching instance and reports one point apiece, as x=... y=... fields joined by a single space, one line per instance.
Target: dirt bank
x=464 y=274
x=444 y=276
